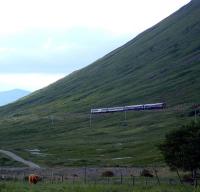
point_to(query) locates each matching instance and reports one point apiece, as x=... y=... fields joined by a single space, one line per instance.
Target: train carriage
x=153 y=106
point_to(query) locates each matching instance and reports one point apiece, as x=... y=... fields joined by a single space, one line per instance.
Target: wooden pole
x=121 y=179
x=85 y=175
x=90 y=120
x=179 y=176
x=156 y=173
x=195 y=116
x=133 y=180
x=194 y=173
x=52 y=177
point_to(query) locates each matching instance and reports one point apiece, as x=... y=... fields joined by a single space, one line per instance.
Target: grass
x=7 y=162
x=103 y=144
x=160 y=64
x=25 y=187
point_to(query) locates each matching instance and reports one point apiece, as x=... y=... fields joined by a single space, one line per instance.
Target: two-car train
x=129 y=108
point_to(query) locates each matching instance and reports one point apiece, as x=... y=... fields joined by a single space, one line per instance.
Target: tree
x=181 y=148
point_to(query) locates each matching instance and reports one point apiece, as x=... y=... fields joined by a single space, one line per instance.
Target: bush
x=146 y=173
x=181 y=148
x=107 y=174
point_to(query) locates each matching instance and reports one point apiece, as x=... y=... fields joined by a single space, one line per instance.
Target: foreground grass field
x=160 y=65
x=25 y=187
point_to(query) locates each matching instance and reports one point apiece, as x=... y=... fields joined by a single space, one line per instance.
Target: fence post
x=85 y=175
x=145 y=180
x=156 y=173
x=52 y=177
x=133 y=180
x=179 y=176
x=194 y=175
x=121 y=178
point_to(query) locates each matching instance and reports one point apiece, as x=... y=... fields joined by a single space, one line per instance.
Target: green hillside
x=160 y=64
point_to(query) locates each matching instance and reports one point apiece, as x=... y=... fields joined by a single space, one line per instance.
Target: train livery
x=130 y=108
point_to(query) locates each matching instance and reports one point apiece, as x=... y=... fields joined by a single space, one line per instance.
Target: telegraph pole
x=125 y=115
x=90 y=120
x=196 y=111
x=52 y=123
x=195 y=115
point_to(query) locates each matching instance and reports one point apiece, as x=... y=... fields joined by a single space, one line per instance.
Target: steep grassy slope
x=161 y=64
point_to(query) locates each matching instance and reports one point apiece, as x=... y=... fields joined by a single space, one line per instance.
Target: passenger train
x=130 y=108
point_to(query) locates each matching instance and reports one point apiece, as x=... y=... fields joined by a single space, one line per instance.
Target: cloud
x=58 y=46
x=118 y=17
x=7 y=49
x=56 y=51
x=28 y=81
x=48 y=43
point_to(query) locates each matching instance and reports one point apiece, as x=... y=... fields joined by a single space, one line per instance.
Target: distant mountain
x=11 y=96
x=160 y=64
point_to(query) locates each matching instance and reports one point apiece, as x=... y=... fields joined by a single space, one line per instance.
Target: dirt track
x=19 y=159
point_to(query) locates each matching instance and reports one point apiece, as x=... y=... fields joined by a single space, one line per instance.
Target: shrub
x=107 y=174
x=146 y=173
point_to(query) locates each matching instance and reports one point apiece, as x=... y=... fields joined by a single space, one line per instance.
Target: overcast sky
x=44 y=40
